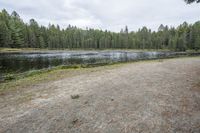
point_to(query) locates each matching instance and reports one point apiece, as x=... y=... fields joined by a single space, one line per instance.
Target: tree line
x=14 y=33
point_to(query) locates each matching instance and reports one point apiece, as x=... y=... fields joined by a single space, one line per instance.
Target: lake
x=22 y=62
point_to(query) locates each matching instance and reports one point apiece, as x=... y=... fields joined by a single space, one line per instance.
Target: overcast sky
x=105 y=14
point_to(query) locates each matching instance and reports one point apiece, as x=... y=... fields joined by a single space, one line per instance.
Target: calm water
x=21 y=62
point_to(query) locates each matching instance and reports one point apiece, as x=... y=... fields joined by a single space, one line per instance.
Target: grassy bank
x=16 y=81
x=7 y=50
x=22 y=80
x=10 y=50
x=57 y=73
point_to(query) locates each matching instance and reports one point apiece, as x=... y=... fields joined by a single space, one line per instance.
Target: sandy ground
x=144 y=97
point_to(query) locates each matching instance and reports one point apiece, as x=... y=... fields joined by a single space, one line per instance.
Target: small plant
x=72 y=67
x=75 y=96
x=9 y=77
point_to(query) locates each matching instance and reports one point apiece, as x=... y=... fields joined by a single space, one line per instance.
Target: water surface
x=22 y=62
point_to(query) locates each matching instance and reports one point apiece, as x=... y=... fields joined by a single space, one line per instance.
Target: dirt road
x=144 y=97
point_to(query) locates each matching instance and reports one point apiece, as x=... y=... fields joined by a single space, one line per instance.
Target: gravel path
x=144 y=97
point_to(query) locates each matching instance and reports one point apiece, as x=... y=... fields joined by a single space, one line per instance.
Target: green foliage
x=197 y=43
x=75 y=96
x=5 y=36
x=191 y=1
x=14 y=33
x=9 y=77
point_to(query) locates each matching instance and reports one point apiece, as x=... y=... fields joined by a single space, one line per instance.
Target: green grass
x=28 y=78
x=42 y=49
x=16 y=76
x=17 y=49
x=15 y=82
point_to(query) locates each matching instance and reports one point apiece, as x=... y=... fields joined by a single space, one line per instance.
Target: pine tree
x=16 y=34
x=197 y=43
x=5 y=36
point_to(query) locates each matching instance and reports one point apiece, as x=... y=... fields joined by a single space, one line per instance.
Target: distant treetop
x=191 y=1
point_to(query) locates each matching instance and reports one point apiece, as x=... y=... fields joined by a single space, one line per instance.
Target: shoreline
x=26 y=50
x=38 y=76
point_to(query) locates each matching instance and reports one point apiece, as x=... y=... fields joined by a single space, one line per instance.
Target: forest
x=15 y=33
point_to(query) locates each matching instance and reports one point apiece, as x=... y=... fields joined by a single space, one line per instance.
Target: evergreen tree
x=15 y=33
x=197 y=43
x=5 y=36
